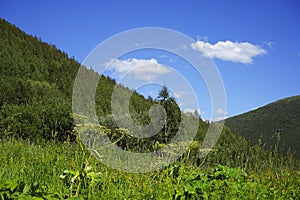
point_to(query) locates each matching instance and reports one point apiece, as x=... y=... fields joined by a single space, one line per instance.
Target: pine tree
x=173 y=113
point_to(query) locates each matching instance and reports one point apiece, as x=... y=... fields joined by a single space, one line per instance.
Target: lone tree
x=173 y=114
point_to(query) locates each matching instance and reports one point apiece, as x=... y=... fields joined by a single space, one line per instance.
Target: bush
x=37 y=121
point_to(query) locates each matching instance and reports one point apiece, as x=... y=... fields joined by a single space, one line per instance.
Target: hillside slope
x=36 y=86
x=280 y=117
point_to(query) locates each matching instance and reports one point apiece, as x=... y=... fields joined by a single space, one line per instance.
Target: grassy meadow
x=56 y=170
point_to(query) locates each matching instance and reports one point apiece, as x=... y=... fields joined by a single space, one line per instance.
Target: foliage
x=80 y=179
x=265 y=124
x=65 y=171
x=35 y=87
x=36 y=121
x=173 y=114
x=12 y=189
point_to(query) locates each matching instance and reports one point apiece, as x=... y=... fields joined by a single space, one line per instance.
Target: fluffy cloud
x=242 y=52
x=220 y=111
x=141 y=69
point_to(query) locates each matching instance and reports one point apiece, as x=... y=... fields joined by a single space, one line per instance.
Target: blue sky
x=259 y=63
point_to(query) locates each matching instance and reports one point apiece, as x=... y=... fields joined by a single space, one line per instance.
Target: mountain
x=276 y=122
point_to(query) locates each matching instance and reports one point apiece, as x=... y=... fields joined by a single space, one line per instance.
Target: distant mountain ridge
x=280 y=117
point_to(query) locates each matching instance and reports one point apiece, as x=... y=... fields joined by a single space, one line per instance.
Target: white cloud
x=190 y=110
x=242 y=52
x=221 y=115
x=220 y=111
x=180 y=94
x=141 y=69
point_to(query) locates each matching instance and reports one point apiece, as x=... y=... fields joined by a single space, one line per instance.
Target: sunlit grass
x=44 y=164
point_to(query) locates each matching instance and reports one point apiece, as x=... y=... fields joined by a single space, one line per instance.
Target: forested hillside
x=36 y=88
x=276 y=121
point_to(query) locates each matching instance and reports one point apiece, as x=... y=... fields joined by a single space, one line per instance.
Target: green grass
x=66 y=170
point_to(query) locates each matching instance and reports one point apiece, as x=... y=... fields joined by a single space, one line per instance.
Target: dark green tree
x=173 y=112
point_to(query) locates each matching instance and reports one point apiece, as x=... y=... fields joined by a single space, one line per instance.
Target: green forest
x=42 y=155
x=280 y=119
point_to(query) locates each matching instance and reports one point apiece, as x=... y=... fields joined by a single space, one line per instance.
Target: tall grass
x=231 y=172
